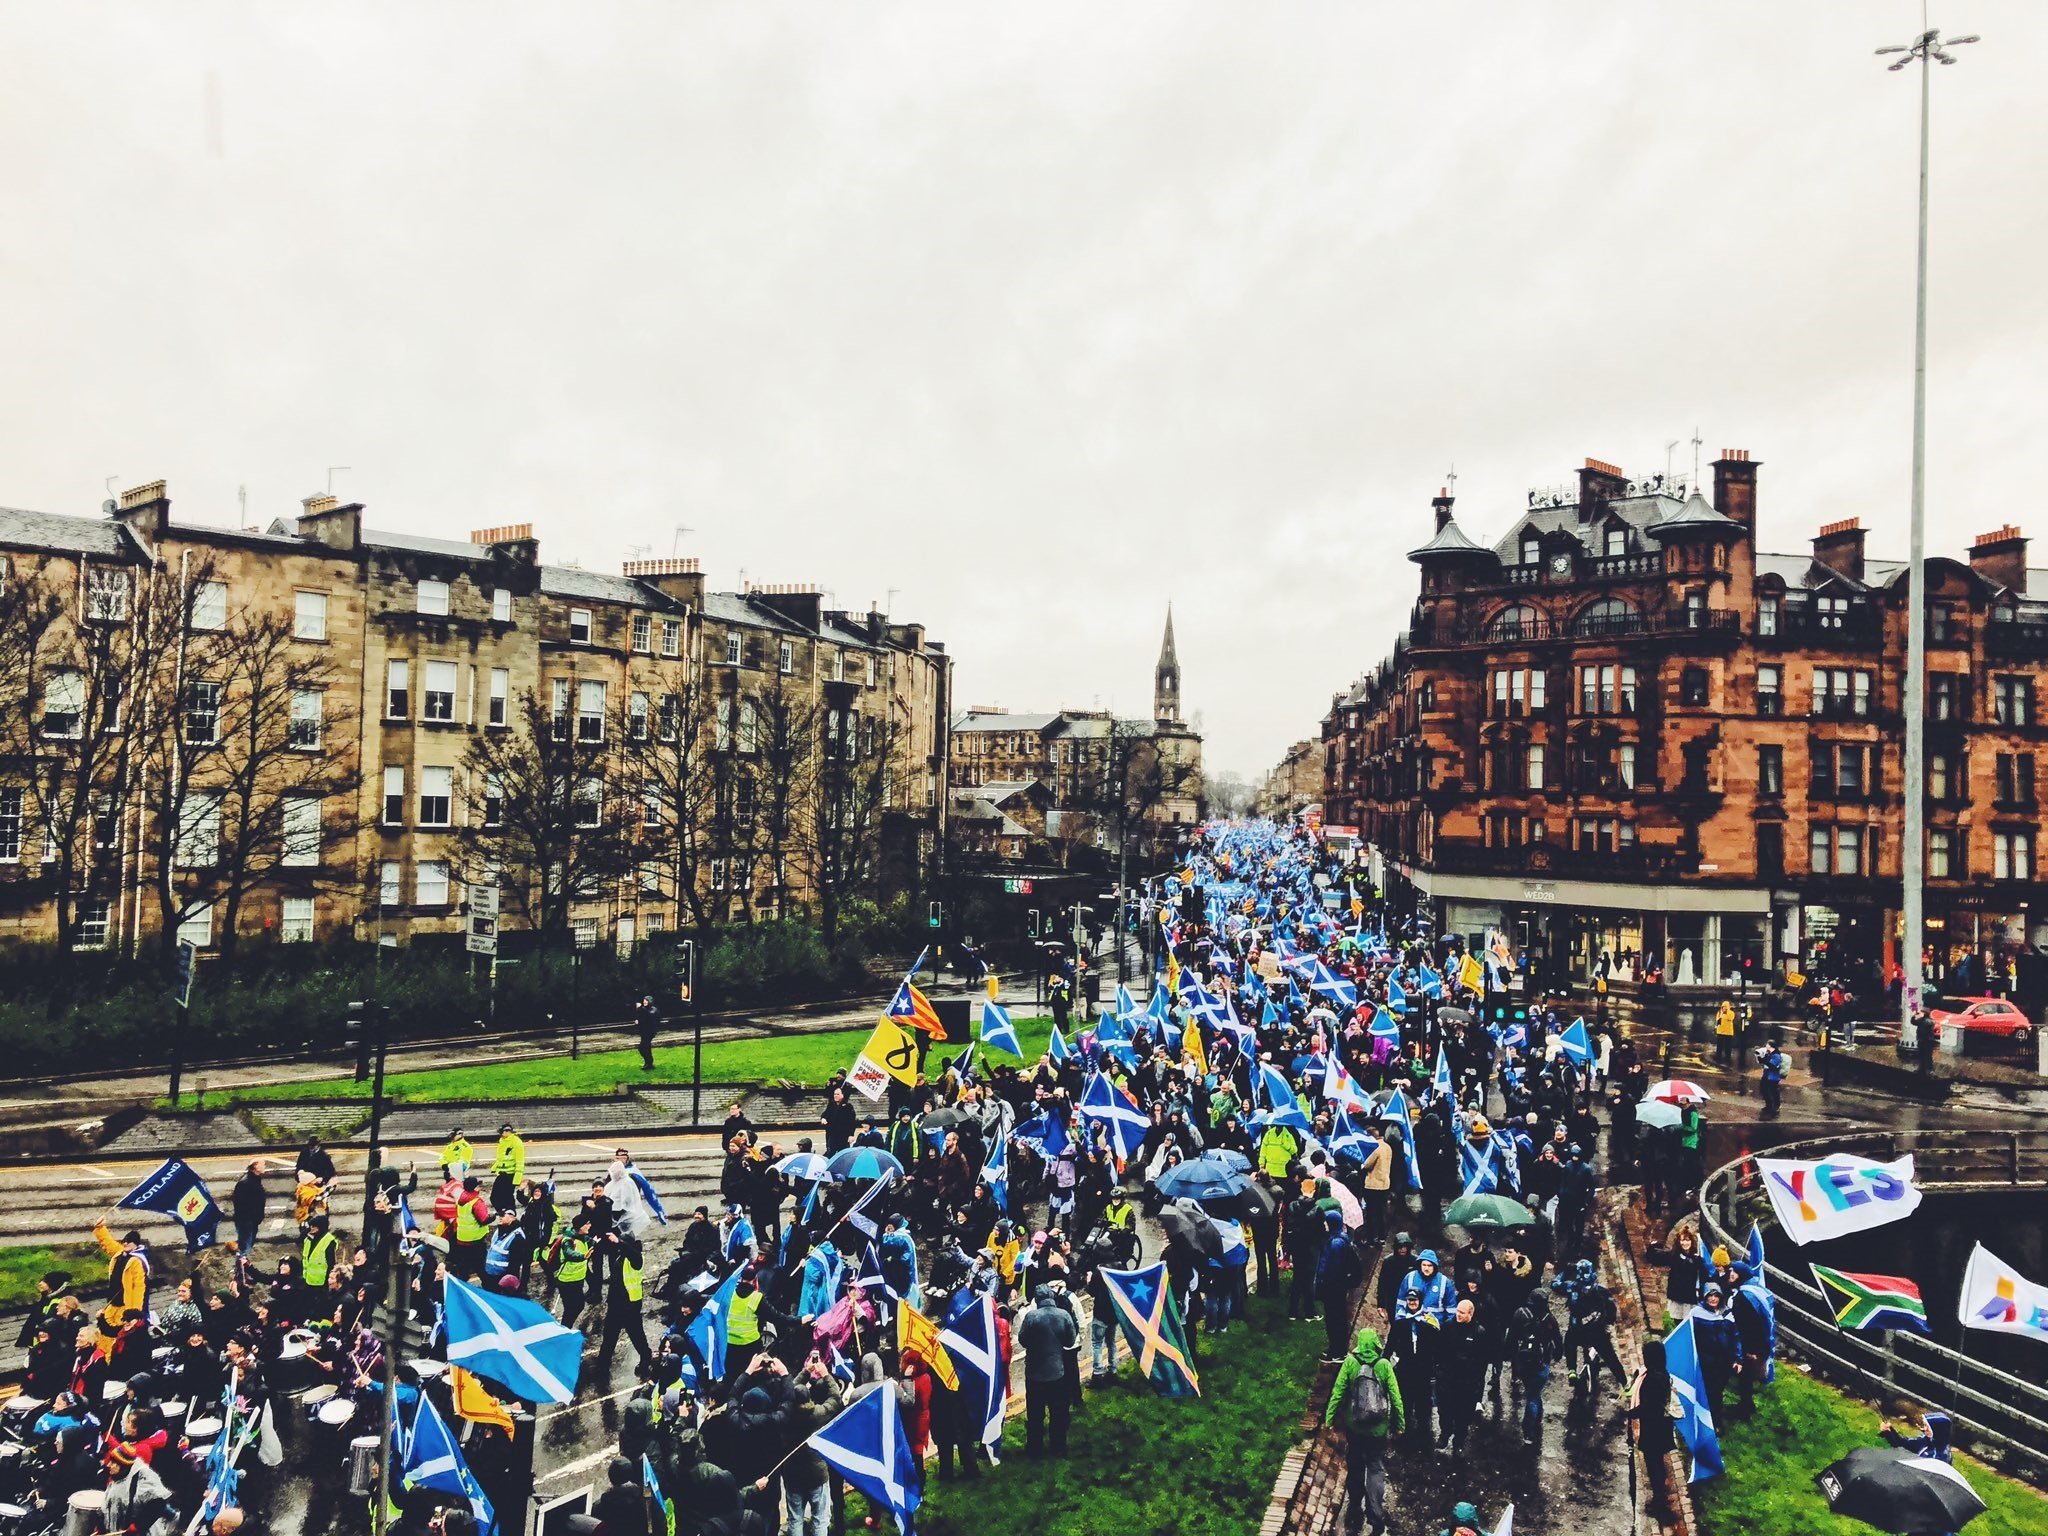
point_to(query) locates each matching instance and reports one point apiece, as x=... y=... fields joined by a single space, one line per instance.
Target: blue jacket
x=822 y=1270
x=1439 y=1296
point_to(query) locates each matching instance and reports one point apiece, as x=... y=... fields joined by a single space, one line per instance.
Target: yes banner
x=1999 y=1297
x=1818 y=1200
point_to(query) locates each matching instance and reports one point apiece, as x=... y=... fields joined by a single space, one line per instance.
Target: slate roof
x=420 y=543
x=598 y=587
x=1449 y=540
x=738 y=608
x=992 y=723
x=58 y=531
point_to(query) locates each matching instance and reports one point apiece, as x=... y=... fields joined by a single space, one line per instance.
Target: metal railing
x=2006 y=1415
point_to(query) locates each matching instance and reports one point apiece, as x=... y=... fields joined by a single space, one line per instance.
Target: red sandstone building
x=1623 y=731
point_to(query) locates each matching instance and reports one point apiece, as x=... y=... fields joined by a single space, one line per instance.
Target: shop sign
x=1539 y=892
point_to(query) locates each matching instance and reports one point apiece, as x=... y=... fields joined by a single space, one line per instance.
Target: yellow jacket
x=511 y=1158
x=457 y=1151
x=1006 y=1257
x=1724 y=1019
x=132 y=1270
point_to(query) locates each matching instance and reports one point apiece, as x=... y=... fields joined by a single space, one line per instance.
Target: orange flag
x=918 y=1335
x=474 y=1403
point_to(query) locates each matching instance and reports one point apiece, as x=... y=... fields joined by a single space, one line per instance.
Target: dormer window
x=1532 y=549
x=1617 y=541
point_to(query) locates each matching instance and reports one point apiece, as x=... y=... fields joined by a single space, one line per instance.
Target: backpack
x=1367 y=1408
x=1536 y=1338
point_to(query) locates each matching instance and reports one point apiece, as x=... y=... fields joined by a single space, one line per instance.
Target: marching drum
x=173 y=1411
x=112 y=1391
x=336 y=1412
x=313 y=1399
x=202 y=1432
x=87 y=1514
x=296 y=1345
x=429 y=1370
x=22 y=1407
x=362 y=1464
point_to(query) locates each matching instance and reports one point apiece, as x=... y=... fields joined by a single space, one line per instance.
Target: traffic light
x=356 y=1031
x=1031 y=923
x=935 y=915
x=686 y=968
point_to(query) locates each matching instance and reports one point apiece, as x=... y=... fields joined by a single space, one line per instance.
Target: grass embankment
x=1800 y=1427
x=806 y=1059
x=21 y=1268
x=1143 y=1465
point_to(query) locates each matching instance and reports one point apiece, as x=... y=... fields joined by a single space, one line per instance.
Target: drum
x=429 y=1370
x=202 y=1432
x=22 y=1406
x=87 y=1513
x=173 y=1411
x=163 y=1352
x=315 y=1396
x=113 y=1391
x=362 y=1465
x=336 y=1412
x=296 y=1346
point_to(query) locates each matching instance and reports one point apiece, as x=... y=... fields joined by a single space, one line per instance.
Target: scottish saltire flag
x=1057 y=1048
x=997 y=1175
x=664 y=1507
x=433 y=1460
x=1126 y=1005
x=1756 y=1289
x=1430 y=983
x=707 y=1330
x=1149 y=1317
x=1576 y=1044
x=971 y=1339
x=1273 y=1089
x=866 y=1445
x=176 y=1190
x=1348 y=1136
x=1440 y=1081
x=1481 y=1165
x=1695 y=1416
x=1044 y=1134
x=1269 y=1016
x=1397 y=999
x=963 y=1064
x=516 y=1343
x=869 y=1277
x=1514 y=1036
x=1106 y=1105
x=1397 y=1111
x=1339 y=991
x=1159 y=1006
x=1871 y=1302
x=1384 y=1026
x=647 y=1193
x=997 y=1030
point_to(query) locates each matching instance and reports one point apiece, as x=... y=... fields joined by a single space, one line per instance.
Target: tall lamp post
x=1928 y=48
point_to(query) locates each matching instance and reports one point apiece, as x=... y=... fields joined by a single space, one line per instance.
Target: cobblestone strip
x=1308 y=1495
x=1639 y=1298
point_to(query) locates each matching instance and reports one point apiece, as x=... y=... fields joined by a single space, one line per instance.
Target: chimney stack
x=509 y=543
x=1735 y=487
x=1839 y=547
x=325 y=521
x=678 y=577
x=145 y=509
x=1599 y=483
x=2000 y=557
x=1441 y=501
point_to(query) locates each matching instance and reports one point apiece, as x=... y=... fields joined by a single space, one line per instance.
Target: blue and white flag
x=664 y=1510
x=997 y=1030
x=176 y=1190
x=1057 y=1048
x=1440 y=1081
x=514 y=1342
x=867 y=1446
x=997 y=1175
x=1347 y=1136
x=434 y=1460
x=1481 y=1165
x=654 y=1206
x=1384 y=1026
x=1575 y=1043
x=971 y=1339
x=1429 y=982
x=1397 y=999
x=1126 y=1005
x=1339 y=1089
x=1397 y=1111
x=1339 y=991
x=1106 y=1105
x=1695 y=1414
x=707 y=1330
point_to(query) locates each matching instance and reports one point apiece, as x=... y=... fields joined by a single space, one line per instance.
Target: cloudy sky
x=1038 y=315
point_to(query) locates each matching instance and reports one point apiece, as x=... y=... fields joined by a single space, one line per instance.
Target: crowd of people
x=1298 y=1086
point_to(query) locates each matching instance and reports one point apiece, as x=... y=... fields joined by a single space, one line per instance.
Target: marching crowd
x=1299 y=1085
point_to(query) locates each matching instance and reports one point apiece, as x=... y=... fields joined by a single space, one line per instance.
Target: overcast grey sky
x=1041 y=315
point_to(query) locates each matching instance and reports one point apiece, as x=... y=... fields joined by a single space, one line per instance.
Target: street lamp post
x=1928 y=48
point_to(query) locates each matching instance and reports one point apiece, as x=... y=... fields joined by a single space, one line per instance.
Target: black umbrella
x=944 y=1119
x=1454 y=1015
x=1207 y=1240
x=1897 y=1491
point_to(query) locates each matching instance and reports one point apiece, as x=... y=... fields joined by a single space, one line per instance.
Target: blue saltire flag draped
x=178 y=1192
x=1057 y=1047
x=996 y=1029
x=433 y=1460
x=1397 y=1111
x=707 y=1330
x=1440 y=1081
x=514 y=1342
x=1483 y=1165
x=867 y=1446
x=1149 y=1315
x=1695 y=1416
x=1106 y=1105
x=1756 y=1289
x=997 y=1174
x=1397 y=999
x=1575 y=1043
x=1431 y=983
x=971 y=1340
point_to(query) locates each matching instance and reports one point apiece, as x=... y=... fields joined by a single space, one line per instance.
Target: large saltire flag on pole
x=1871 y=1302
x=1149 y=1316
x=1576 y=1044
x=997 y=1030
x=516 y=1343
x=867 y=1446
x=971 y=1341
x=1396 y=1110
x=434 y=1460
x=1695 y=1410
x=1106 y=1105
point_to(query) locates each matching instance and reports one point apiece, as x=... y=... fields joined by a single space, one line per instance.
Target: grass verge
x=1142 y=1465
x=806 y=1059
x=1801 y=1426
x=21 y=1268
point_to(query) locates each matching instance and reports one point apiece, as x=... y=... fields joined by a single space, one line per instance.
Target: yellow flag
x=1173 y=974
x=1191 y=1047
x=892 y=1048
x=1472 y=975
x=474 y=1403
x=918 y=1335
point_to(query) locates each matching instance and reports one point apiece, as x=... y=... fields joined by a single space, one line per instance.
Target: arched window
x=1608 y=616
x=1517 y=621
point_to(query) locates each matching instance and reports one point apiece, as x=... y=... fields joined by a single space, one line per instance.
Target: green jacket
x=1367 y=1355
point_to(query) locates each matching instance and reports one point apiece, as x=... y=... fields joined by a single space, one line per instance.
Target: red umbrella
x=1678 y=1091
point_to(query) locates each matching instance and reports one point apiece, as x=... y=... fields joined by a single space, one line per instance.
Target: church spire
x=1166 y=679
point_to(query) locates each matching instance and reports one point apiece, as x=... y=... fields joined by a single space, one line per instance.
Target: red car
x=1992 y=1016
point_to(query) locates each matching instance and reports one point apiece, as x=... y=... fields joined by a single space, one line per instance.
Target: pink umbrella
x=1678 y=1091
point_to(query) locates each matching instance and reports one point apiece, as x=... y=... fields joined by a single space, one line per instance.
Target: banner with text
x=1830 y=1196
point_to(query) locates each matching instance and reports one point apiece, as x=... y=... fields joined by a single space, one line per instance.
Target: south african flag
x=1872 y=1301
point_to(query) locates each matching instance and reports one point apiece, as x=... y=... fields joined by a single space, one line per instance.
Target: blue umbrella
x=863 y=1163
x=805 y=1165
x=1200 y=1180
x=1228 y=1157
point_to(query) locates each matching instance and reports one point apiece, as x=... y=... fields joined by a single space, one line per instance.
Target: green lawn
x=21 y=1268
x=800 y=1058
x=1802 y=1426
x=1142 y=1465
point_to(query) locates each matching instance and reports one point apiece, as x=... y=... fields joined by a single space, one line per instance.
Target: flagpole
x=394 y=1337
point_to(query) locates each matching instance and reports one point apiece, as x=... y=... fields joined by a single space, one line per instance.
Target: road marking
x=582 y=1464
x=98 y=1173
x=596 y=1147
x=578 y=1408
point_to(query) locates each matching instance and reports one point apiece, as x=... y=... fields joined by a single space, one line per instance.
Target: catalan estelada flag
x=1150 y=1319
x=1871 y=1301
x=910 y=1006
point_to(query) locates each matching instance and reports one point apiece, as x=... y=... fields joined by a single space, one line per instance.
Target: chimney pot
x=2000 y=557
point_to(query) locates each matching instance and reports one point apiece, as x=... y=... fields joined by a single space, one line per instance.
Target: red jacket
x=917 y=1419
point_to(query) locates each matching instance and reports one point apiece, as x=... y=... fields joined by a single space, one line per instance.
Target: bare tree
x=679 y=778
x=778 y=771
x=554 y=812
x=861 y=760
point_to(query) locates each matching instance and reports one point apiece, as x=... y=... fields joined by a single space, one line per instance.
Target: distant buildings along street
x=1624 y=733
